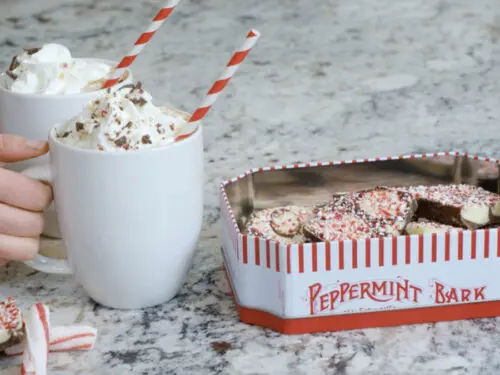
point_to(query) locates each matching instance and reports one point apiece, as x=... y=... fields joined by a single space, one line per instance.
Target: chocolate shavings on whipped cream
x=121 y=120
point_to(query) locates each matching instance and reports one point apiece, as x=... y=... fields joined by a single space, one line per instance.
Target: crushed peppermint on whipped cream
x=52 y=70
x=122 y=120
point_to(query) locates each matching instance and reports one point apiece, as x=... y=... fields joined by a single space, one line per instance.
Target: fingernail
x=36 y=145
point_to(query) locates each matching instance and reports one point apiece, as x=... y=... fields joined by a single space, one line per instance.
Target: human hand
x=22 y=201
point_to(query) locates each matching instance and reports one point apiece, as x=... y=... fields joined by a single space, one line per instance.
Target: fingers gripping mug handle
x=42 y=263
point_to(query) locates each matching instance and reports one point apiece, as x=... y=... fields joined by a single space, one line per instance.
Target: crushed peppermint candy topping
x=385 y=211
x=124 y=119
x=273 y=224
x=331 y=225
x=384 y=203
x=453 y=195
x=365 y=214
x=11 y=322
x=285 y=222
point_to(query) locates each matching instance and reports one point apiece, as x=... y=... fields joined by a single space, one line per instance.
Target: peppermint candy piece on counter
x=63 y=339
x=36 y=348
x=11 y=324
x=285 y=222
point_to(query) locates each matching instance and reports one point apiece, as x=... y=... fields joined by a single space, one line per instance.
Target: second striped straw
x=231 y=68
x=141 y=42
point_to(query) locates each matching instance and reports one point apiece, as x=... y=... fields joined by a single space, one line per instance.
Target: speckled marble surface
x=329 y=79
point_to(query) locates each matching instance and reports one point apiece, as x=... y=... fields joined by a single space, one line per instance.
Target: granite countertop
x=329 y=79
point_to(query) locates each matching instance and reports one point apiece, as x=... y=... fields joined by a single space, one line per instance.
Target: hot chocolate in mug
x=130 y=220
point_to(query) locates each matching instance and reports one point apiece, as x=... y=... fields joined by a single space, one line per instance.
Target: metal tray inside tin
x=312 y=185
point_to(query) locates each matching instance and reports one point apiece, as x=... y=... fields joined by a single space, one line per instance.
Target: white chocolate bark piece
x=282 y=224
x=495 y=213
x=285 y=222
x=475 y=216
x=423 y=226
x=11 y=324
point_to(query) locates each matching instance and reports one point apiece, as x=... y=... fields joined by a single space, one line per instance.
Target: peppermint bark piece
x=282 y=224
x=336 y=225
x=390 y=211
x=377 y=212
x=463 y=205
x=424 y=226
x=11 y=324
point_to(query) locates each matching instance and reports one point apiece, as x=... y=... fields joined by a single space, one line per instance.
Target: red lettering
x=416 y=292
x=385 y=291
x=344 y=287
x=323 y=302
x=438 y=291
x=382 y=289
x=479 y=293
x=365 y=290
x=402 y=287
x=452 y=295
x=353 y=292
x=334 y=295
x=378 y=291
x=446 y=294
x=465 y=295
x=313 y=293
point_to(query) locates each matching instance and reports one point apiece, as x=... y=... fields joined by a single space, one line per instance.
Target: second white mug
x=33 y=115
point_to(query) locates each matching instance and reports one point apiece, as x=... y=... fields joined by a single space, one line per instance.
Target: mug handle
x=42 y=263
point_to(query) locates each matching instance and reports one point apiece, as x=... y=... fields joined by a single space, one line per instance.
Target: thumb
x=14 y=148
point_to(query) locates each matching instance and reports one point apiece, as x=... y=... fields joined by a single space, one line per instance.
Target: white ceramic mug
x=130 y=220
x=33 y=115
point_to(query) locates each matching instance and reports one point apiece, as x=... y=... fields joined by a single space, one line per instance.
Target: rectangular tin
x=328 y=286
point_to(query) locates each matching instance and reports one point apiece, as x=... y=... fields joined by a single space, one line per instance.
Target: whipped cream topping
x=52 y=70
x=122 y=120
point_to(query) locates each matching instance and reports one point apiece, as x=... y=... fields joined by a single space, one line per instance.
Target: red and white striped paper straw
x=139 y=45
x=231 y=68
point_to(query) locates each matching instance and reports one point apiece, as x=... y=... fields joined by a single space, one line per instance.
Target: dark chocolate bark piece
x=465 y=206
